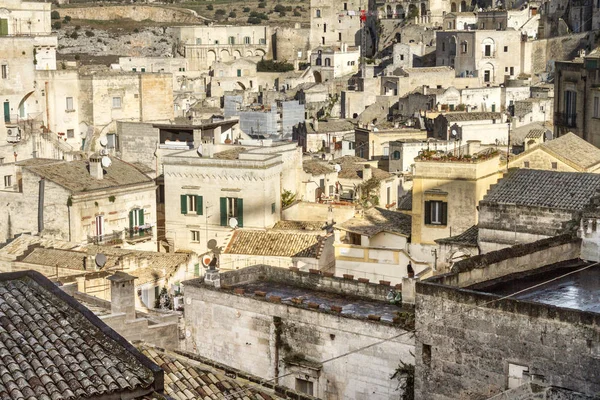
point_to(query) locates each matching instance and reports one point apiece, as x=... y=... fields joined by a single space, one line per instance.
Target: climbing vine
x=405 y=373
x=369 y=191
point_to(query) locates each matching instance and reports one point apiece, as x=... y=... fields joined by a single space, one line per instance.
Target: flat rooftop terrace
x=578 y=290
x=352 y=306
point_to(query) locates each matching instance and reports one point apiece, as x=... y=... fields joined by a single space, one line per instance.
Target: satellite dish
x=212 y=244
x=454 y=132
x=200 y=150
x=207 y=259
x=100 y=260
x=103 y=141
x=106 y=162
x=104 y=152
x=337 y=167
x=233 y=223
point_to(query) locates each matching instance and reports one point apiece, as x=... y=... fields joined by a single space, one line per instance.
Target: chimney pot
x=95 y=164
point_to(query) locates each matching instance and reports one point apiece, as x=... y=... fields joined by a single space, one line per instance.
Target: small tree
x=279 y=8
x=67 y=19
x=55 y=15
x=232 y=14
x=74 y=35
x=246 y=9
x=220 y=11
x=369 y=193
x=89 y=33
x=405 y=373
x=287 y=198
x=297 y=13
x=262 y=4
x=56 y=25
x=163 y=301
x=210 y=7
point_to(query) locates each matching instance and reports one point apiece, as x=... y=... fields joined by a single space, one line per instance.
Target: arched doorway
x=211 y=57
x=318 y=78
x=328 y=62
x=225 y=56
x=399 y=11
x=423 y=10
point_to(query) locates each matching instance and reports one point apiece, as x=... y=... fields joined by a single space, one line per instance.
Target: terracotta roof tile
x=275 y=243
x=378 y=220
x=467 y=238
x=575 y=150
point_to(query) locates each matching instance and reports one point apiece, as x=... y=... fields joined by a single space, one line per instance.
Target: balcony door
x=570 y=106
x=99 y=225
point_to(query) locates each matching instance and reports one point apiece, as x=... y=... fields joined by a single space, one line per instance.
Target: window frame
x=119 y=100
x=7 y=179
x=195 y=236
x=69 y=107
x=436 y=213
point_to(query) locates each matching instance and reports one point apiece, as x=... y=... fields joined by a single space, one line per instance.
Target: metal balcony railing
x=107 y=239
x=139 y=233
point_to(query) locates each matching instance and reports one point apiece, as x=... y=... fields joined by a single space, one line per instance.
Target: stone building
x=330 y=62
x=361 y=182
x=208 y=195
x=404 y=80
x=402 y=153
x=427 y=12
x=335 y=23
x=546 y=204
x=373 y=143
x=576 y=100
x=273 y=322
x=322 y=136
x=460 y=21
x=568 y=153
x=533 y=109
x=489 y=128
x=493 y=336
x=374 y=246
x=203 y=45
x=82 y=201
x=445 y=195
x=227 y=76
x=488 y=55
x=319 y=181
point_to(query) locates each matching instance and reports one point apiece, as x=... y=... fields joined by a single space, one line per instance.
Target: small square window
x=195 y=236
x=304 y=386
x=116 y=102
x=554 y=165
x=526 y=164
x=70 y=133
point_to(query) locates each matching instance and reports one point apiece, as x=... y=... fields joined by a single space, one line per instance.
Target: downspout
x=583 y=127
x=42 y=185
x=46 y=87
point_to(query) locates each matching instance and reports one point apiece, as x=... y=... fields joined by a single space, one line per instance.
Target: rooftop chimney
x=367 y=172
x=122 y=294
x=96 y=166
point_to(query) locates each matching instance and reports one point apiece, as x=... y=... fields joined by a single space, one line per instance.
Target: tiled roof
x=378 y=220
x=20 y=244
x=471 y=116
x=316 y=167
x=187 y=379
x=575 y=150
x=331 y=126
x=550 y=189
x=467 y=238
x=352 y=168
x=53 y=348
x=75 y=176
x=523 y=108
x=535 y=133
x=275 y=243
x=518 y=135
x=405 y=202
x=62 y=258
x=300 y=225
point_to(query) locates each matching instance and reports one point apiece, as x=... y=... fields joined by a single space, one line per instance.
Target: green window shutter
x=240 y=212
x=428 y=212
x=444 y=213
x=199 y=205
x=223 y=211
x=183 y=204
x=272 y=208
x=196 y=269
x=131 y=219
x=141 y=216
x=156 y=292
x=3 y=27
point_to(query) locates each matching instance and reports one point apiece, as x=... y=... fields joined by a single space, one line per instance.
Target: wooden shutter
x=131 y=220
x=183 y=204
x=428 y=212
x=141 y=216
x=240 y=212
x=199 y=205
x=223 y=211
x=444 y=213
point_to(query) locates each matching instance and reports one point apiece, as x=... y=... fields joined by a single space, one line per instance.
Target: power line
x=228 y=396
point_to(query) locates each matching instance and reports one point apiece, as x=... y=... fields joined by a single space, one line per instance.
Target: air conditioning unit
x=13 y=134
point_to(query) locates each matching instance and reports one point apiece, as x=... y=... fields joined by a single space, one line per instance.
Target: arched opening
x=488 y=47
x=463 y=6
x=224 y=55
x=423 y=9
x=389 y=12
x=328 y=62
x=413 y=11
x=237 y=54
x=319 y=61
x=453 y=7
x=488 y=73
x=249 y=53
x=260 y=53
x=211 y=57
x=317 y=76
x=242 y=85
x=399 y=11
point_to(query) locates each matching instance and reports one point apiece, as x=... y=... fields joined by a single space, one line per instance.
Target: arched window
x=318 y=13
x=396 y=155
x=318 y=62
x=328 y=62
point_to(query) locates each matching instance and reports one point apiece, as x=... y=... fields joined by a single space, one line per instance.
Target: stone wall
x=306 y=211
x=463 y=350
x=560 y=48
x=164 y=334
x=265 y=338
x=289 y=42
x=503 y=225
x=136 y=13
x=138 y=142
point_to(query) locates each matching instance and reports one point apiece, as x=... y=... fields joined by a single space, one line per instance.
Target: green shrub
x=89 y=33
x=297 y=13
x=232 y=14
x=220 y=11
x=74 y=35
x=262 y=4
x=55 y=15
x=67 y=19
x=279 y=8
x=273 y=66
x=246 y=9
x=210 y=7
x=56 y=25
x=254 y=20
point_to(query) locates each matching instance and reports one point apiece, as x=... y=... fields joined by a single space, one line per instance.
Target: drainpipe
x=42 y=185
x=46 y=87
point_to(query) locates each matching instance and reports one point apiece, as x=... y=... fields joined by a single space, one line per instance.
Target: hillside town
x=324 y=199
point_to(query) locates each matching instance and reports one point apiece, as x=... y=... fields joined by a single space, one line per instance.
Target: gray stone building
x=528 y=205
x=480 y=334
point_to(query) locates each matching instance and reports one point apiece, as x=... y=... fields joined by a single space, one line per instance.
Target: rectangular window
x=116 y=102
x=231 y=40
x=7 y=181
x=345 y=6
x=324 y=28
x=512 y=71
x=596 y=112
x=486 y=76
x=340 y=36
x=70 y=133
x=247 y=40
x=111 y=141
x=506 y=49
x=239 y=72
x=426 y=354
x=554 y=165
x=526 y=164
x=488 y=50
x=143 y=69
x=69 y=104
x=272 y=208
x=262 y=41
x=99 y=225
x=198 y=41
x=134 y=69
x=232 y=207
x=304 y=386
x=4 y=71
x=216 y=42
x=436 y=213
x=388 y=195
x=136 y=218
x=191 y=204
x=195 y=236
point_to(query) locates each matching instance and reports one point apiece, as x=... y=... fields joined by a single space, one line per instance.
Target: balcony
x=109 y=239
x=488 y=54
x=565 y=119
x=138 y=234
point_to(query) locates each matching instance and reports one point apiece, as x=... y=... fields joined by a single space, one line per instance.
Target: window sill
x=192 y=214
x=69 y=111
x=436 y=225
